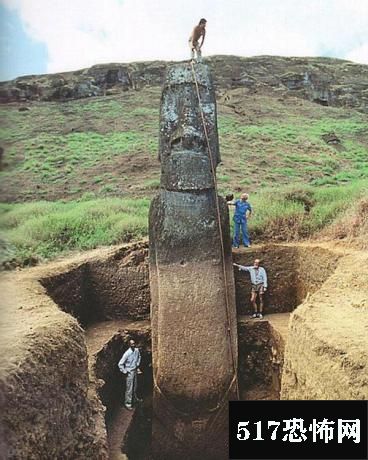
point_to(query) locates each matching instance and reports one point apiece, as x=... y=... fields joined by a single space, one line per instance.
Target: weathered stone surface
x=194 y=370
x=326 y=81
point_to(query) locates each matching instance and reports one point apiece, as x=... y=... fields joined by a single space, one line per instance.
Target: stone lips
x=194 y=369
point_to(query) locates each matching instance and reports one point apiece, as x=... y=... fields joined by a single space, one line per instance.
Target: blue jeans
x=244 y=230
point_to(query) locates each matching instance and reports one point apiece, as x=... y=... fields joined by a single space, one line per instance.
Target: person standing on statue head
x=199 y=31
x=243 y=211
x=129 y=366
x=258 y=278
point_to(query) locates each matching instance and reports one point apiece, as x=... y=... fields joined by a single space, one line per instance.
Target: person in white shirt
x=258 y=278
x=129 y=366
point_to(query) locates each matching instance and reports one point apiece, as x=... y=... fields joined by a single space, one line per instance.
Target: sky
x=46 y=36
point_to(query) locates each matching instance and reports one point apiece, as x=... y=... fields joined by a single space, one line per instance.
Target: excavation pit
x=107 y=292
x=110 y=298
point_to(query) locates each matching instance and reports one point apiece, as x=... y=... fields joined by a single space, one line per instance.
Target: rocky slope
x=327 y=81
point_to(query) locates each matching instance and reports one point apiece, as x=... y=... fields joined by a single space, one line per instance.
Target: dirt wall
x=327 y=348
x=71 y=291
x=114 y=284
x=314 y=265
x=109 y=284
x=112 y=385
x=48 y=408
x=261 y=350
x=292 y=272
x=120 y=283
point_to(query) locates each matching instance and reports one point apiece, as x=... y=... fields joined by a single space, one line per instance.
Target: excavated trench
x=110 y=298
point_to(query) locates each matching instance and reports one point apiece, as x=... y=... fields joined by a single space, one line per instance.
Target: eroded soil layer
x=114 y=283
x=261 y=355
x=108 y=284
x=293 y=272
x=261 y=348
x=327 y=349
x=48 y=408
x=51 y=395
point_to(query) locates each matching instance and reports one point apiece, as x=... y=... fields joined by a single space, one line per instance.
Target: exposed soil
x=327 y=348
x=48 y=408
x=106 y=342
x=112 y=285
x=291 y=271
x=64 y=381
x=261 y=355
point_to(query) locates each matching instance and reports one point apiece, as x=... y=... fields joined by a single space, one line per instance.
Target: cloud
x=359 y=54
x=80 y=33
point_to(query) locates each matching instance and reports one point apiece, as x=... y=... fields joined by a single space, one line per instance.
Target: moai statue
x=194 y=332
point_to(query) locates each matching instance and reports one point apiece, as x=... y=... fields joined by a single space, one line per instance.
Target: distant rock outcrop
x=326 y=81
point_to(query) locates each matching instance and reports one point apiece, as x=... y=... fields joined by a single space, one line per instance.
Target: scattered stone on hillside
x=1 y=158
x=331 y=138
x=23 y=109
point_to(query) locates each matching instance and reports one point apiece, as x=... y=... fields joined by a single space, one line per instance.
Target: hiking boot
x=259 y=315
x=254 y=315
x=127 y=406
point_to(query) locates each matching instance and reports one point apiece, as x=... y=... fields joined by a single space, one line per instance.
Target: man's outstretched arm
x=242 y=267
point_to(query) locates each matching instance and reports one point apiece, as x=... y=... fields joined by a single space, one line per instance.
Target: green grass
x=152 y=184
x=294 y=128
x=293 y=149
x=43 y=230
x=48 y=152
x=55 y=145
x=294 y=212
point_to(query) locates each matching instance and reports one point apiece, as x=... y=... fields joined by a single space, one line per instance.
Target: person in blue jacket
x=243 y=211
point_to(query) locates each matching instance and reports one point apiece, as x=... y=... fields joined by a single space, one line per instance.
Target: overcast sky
x=39 y=36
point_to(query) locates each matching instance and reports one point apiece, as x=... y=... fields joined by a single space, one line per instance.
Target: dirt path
x=280 y=322
x=117 y=428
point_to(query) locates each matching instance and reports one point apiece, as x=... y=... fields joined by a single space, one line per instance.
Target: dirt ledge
x=48 y=408
x=327 y=348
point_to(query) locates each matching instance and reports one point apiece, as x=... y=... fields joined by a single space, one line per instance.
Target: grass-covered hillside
x=108 y=145
x=80 y=173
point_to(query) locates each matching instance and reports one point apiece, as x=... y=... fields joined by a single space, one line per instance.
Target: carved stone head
x=184 y=152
